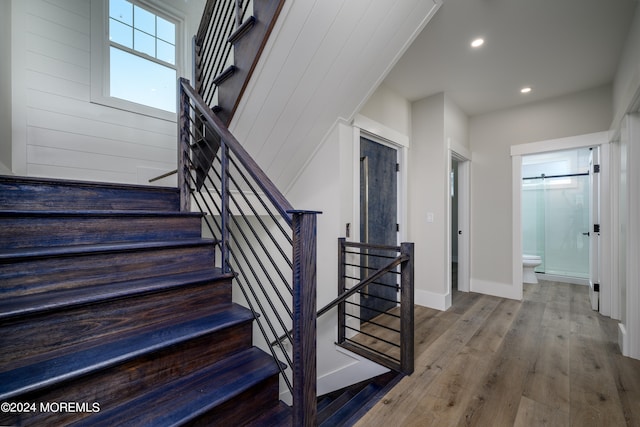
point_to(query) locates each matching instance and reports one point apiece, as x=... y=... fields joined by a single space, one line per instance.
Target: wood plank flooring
x=546 y=361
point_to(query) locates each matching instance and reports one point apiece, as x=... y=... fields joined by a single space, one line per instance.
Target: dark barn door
x=378 y=222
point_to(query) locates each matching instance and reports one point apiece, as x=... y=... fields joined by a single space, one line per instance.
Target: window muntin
x=142 y=52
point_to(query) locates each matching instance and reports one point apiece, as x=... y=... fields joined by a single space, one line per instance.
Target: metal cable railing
x=260 y=238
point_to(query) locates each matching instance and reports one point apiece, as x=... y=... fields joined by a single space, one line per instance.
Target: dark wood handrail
x=266 y=185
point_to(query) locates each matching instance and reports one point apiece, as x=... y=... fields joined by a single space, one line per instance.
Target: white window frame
x=100 y=57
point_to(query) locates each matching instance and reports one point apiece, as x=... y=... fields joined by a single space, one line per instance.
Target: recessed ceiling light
x=525 y=89
x=477 y=42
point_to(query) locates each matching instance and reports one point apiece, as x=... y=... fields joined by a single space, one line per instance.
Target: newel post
x=406 y=307
x=183 y=148
x=304 y=318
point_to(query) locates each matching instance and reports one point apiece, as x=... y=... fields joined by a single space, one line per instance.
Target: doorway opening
x=459 y=271
x=599 y=241
x=557 y=201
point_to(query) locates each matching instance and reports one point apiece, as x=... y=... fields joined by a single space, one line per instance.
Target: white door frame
x=629 y=328
x=377 y=132
x=600 y=139
x=463 y=155
x=595 y=250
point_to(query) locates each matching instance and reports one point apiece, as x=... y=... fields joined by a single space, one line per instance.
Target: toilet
x=529 y=262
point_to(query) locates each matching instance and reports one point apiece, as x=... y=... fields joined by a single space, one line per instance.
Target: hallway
x=548 y=360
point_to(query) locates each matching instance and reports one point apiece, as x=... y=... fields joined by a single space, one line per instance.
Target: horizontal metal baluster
x=264 y=334
x=274 y=241
x=259 y=241
x=264 y=270
x=377 y=324
x=251 y=290
x=263 y=203
x=372 y=336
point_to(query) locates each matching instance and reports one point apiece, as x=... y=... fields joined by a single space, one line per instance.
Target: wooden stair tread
x=224 y=75
x=44 y=194
x=350 y=407
x=17 y=179
x=242 y=29
x=75 y=250
x=94 y=213
x=55 y=300
x=280 y=415
x=191 y=396
x=62 y=368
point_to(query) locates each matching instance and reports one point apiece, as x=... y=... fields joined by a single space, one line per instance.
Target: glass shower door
x=555 y=212
x=566 y=227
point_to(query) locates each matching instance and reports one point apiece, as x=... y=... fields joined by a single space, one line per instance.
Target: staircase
x=346 y=406
x=111 y=313
x=241 y=26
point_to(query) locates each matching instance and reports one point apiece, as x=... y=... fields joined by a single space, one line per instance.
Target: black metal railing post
x=225 y=220
x=304 y=318
x=342 y=287
x=406 y=310
x=183 y=148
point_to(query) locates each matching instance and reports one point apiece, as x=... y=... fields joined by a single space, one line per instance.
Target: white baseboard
x=432 y=300
x=623 y=341
x=503 y=290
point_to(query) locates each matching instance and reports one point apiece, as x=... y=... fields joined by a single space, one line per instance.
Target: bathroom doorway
x=556 y=213
x=604 y=259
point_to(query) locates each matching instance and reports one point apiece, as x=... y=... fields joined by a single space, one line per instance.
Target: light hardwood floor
x=546 y=361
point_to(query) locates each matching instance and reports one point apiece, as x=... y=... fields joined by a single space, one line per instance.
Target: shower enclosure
x=555 y=211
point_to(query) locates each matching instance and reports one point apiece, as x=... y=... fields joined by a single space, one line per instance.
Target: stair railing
x=213 y=50
x=392 y=330
x=269 y=246
x=367 y=275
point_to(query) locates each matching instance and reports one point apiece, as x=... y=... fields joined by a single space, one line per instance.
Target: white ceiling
x=554 y=46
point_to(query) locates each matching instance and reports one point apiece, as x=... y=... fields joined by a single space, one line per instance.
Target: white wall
x=629 y=249
x=626 y=93
x=328 y=182
x=626 y=85
x=5 y=87
x=436 y=120
x=491 y=136
x=57 y=131
x=456 y=124
x=323 y=60
x=390 y=109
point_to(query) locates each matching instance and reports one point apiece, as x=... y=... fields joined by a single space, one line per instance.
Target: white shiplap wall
x=57 y=131
x=324 y=59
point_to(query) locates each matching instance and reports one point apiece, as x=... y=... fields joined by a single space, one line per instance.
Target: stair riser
x=254 y=401
x=29 y=232
x=117 y=384
x=38 y=275
x=34 y=194
x=26 y=339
